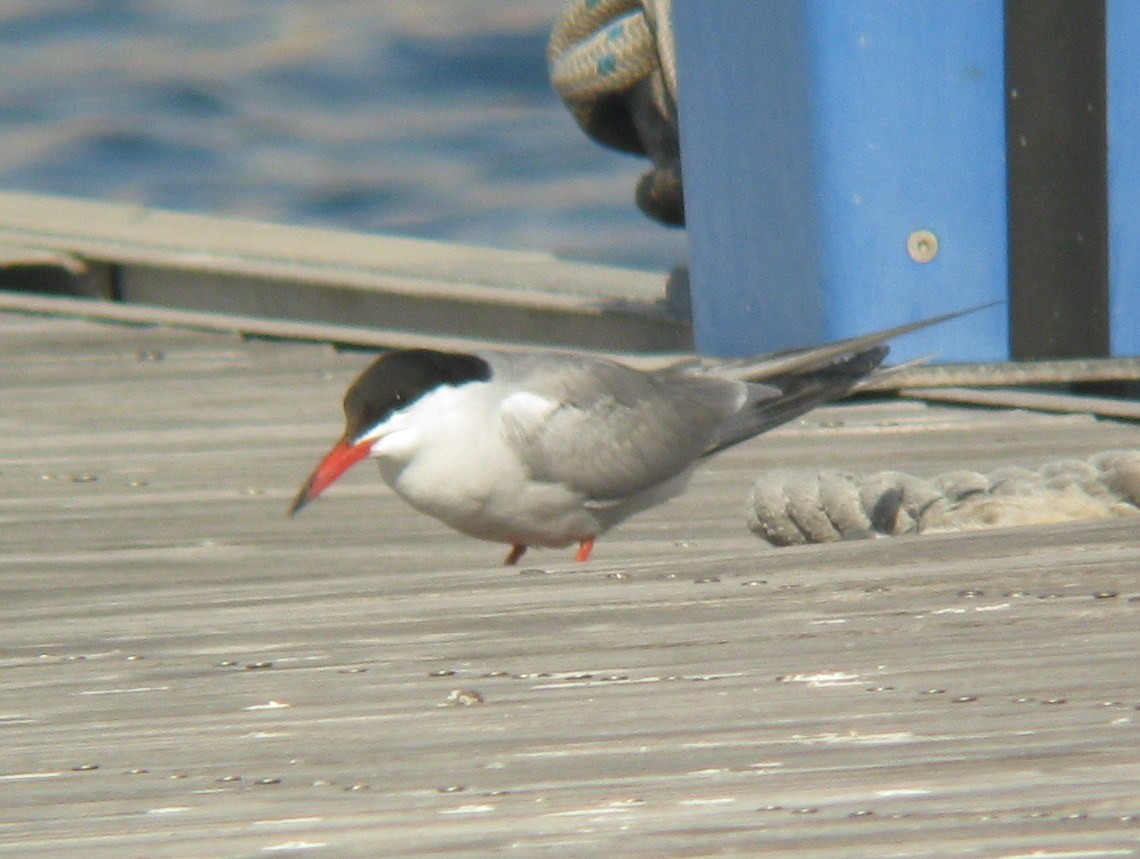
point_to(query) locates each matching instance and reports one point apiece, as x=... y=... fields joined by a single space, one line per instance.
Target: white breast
x=448 y=457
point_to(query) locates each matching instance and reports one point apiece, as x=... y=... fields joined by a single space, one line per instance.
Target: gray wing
x=607 y=430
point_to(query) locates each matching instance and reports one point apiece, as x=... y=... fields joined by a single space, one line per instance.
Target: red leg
x=585 y=547
x=517 y=551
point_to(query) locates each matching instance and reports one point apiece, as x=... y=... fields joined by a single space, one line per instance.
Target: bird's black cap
x=399 y=378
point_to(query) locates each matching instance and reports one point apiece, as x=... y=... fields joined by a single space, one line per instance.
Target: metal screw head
x=922 y=245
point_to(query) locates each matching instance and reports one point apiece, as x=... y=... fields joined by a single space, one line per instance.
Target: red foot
x=585 y=547
x=517 y=551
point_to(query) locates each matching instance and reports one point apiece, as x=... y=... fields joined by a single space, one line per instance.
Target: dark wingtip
x=763 y=368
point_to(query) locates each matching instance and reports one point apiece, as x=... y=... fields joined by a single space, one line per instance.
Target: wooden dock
x=188 y=673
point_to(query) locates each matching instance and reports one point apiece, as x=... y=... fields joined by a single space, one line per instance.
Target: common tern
x=551 y=449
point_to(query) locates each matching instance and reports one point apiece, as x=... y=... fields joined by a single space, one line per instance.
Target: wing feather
x=613 y=431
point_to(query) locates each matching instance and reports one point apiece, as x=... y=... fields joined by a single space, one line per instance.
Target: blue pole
x=844 y=169
x=1123 y=24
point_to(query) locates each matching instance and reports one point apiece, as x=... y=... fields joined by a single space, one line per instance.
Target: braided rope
x=613 y=64
x=598 y=48
x=789 y=508
x=604 y=47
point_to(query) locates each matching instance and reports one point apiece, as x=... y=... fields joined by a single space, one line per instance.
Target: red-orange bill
x=340 y=459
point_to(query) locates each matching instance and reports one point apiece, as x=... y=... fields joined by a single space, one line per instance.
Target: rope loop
x=788 y=508
x=600 y=47
x=612 y=62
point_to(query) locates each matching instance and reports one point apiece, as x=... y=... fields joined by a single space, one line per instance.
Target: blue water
x=428 y=118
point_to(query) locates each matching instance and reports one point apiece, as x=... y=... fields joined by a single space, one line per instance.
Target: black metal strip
x=1058 y=190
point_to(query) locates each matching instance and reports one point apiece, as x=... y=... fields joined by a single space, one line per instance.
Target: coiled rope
x=789 y=508
x=612 y=62
x=601 y=47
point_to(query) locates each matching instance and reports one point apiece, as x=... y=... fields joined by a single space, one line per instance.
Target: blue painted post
x=1123 y=25
x=844 y=169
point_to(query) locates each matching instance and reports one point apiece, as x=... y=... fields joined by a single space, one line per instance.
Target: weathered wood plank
x=353 y=336
x=186 y=672
x=199 y=264
x=1014 y=399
